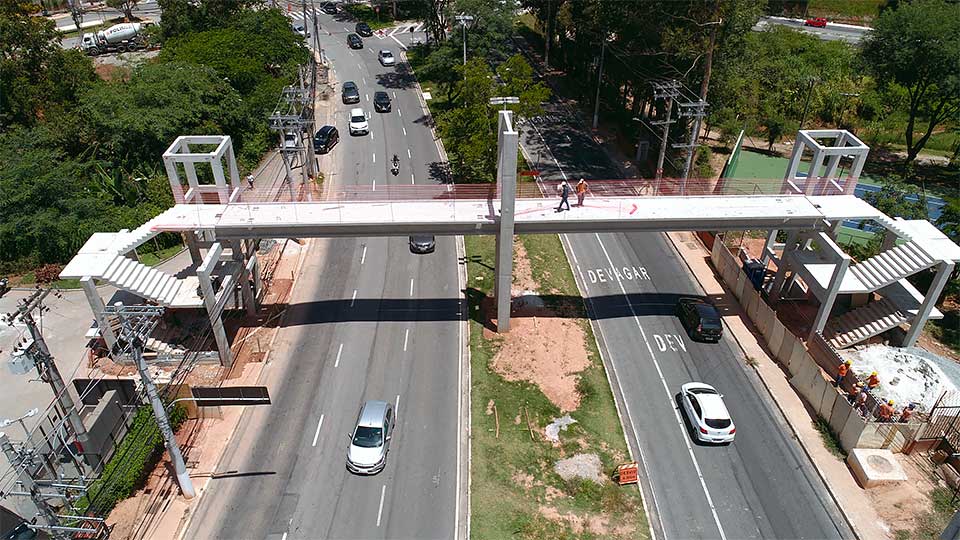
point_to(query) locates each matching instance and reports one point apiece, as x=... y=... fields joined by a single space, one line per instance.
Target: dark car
x=330 y=8
x=354 y=41
x=326 y=138
x=381 y=102
x=364 y=29
x=350 y=93
x=422 y=243
x=700 y=319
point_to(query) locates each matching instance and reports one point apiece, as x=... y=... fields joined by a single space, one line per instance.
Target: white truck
x=118 y=38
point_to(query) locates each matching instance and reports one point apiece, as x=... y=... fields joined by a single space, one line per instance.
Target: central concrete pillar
x=96 y=305
x=508 y=144
x=944 y=270
x=210 y=302
x=826 y=306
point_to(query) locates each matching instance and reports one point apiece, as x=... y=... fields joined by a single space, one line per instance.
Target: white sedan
x=386 y=58
x=706 y=413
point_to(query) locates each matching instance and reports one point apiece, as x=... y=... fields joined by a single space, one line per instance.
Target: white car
x=706 y=413
x=358 y=122
x=386 y=58
x=301 y=30
x=291 y=141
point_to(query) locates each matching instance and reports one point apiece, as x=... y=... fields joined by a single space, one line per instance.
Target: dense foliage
x=79 y=154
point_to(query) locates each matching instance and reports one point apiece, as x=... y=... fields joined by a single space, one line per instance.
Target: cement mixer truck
x=118 y=38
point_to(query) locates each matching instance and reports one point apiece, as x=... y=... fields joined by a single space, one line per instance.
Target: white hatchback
x=386 y=58
x=358 y=122
x=707 y=413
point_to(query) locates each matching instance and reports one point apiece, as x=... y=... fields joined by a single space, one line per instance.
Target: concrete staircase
x=131 y=239
x=892 y=265
x=864 y=322
x=142 y=280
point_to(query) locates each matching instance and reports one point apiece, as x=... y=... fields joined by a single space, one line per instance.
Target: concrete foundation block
x=875 y=467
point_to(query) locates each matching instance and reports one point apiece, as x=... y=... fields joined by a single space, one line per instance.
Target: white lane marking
x=409 y=155
x=367 y=96
x=404 y=131
x=406 y=337
x=547 y=146
x=345 y=29
x=666 y=389
x=364 y=81
x=339 y=352
x=284 y=537
x=354 y=299
x=363 y=256
x=383 y=493
x=461 y=283
x=411 y=179
x=402 y=46
x=374 y=184
x=394 y=95
x=411 y=286
x=399 y=111
x=319 y=425
x=396 y=408
x=374 y=157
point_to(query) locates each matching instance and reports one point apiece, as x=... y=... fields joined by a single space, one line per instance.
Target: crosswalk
x=297 y=16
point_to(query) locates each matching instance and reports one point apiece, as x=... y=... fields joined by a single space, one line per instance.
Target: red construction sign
x=627 y=473
x=529 y=173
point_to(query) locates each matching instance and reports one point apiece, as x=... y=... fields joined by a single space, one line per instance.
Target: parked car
x=370 y=439
x=349 y=92
x=818 y=22
x=364 y=29
x=708 y=416
x=330 y=8
x=700 y=319
x=325 y=139
x=354 y=41
x=422 y=243
x=291 y=141
x=358 y=122
x=386 y=58
x=301 y=30
x=381 y=102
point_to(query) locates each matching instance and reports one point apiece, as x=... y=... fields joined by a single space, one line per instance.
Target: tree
x=917 y=46
x=437 y=20
x=517 y=80
x=899 y=199
x=126 y=6
x=949 y=220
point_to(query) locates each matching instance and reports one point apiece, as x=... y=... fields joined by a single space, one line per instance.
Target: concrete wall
x=812 y=382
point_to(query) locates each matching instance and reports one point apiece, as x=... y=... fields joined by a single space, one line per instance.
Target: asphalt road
x=761 y=486
x=370 y=321
x=831 y=32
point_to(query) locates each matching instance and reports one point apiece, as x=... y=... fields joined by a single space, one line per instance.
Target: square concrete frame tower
x=180 y=152
x=840 y=143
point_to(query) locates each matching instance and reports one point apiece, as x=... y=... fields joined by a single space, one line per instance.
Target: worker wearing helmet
x=873 y=381
x=842 y=370
x=886 y=412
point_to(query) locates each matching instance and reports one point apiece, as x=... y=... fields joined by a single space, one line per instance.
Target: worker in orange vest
x=854 y=392
x=886 y=411
x=842 y=370
x=873 y=381
x=907 y=413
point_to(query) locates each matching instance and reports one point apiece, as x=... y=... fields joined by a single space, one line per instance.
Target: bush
x=137 y=455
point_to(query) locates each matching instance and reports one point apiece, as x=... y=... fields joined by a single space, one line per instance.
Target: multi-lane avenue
x=368 y=320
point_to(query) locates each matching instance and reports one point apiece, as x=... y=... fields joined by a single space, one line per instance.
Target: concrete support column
x=889 y=240
x=794 y=165
x=843 y=262
x=96 y=306
x=768 y=247
x=219 y=178
x=210 y=302
x=246 y=291
x=944 y=270
x=509 y=140
x=813 y=176
x=776 y=289
x=193 y=245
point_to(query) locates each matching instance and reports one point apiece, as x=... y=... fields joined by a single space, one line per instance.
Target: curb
x=850 y=523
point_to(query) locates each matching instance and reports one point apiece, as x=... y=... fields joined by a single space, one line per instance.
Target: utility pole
x=696 y=110
x=464 y=20
x=22 y=463
x=596 y=105
x=806 y=101
x=669 y=90
x=76 y=12
x=46 y=366
x=137 y=322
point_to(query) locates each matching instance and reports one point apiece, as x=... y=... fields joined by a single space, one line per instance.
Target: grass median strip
x=548 y=367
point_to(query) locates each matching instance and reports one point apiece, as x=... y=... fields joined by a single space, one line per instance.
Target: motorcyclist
x=396 y=164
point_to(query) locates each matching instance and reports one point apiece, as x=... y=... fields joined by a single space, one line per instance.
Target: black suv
x=354 y=41
x=700 y=319
x=381 y=102
x=422 y=243
x=326 y=138
x=350 y=93
x=364 y=29
x=329 y=8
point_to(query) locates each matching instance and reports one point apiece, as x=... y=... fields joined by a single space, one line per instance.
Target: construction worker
x=873 y=381
x=886 y=411
x=581 y=190
x=907 y=413
x=854 y=392
x=862 y=401
x=842 y=370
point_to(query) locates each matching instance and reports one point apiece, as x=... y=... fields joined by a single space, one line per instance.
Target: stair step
x=149 y=282
x=885 y=274
x=901 y=257
x=892 y=265
x=917 y=254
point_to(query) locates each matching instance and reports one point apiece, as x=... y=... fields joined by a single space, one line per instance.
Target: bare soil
x=900 y=504
x=542 y=348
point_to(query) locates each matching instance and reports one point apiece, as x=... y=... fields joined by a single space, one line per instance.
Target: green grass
x=845 y=9
x=830 y=439
x=157 y=257
x=30 y=278
x=946 y=330
x=366 y=14
x=500 y=508
x=78 y=33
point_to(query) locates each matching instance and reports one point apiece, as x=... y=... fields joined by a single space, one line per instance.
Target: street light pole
x=464 y=20
x=596 y=105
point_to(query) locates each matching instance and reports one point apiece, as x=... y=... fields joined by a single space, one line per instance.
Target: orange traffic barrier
x=627 y=473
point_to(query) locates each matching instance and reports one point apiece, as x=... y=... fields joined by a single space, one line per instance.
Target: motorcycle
x=395 y=169
x=4 y=286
